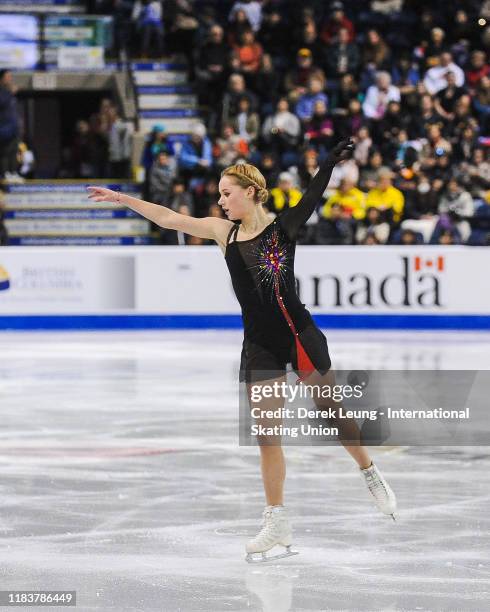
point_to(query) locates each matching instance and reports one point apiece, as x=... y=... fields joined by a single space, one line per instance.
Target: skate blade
x=264 y=559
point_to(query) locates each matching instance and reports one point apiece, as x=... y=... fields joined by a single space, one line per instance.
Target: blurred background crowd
x=280 y=82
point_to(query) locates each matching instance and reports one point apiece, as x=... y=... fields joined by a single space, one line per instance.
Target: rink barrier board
x=142 y=322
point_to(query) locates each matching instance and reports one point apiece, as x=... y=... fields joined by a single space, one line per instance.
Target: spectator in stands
x=246 y=123
x=369 y=174
x=373 y=225
x=386 y=197
x=235 y=91
x=456 y=208
x=147 y=14
x=347 y=170
x=99 y=127
x=308 y=167
x=335 y=228
x=477 y=69
x=85 y=151
x=181 y=201
x=423 y=118
x=252 y=10
x=162 y=174
x=375 y=52
x=445 y=100
x=195 y=156
x=481 y=104
x=408 y=237
x=379 y=96
x=120 y=145
x=183 y=31
x=341 y=57
x=285 y=195
x=466 y=141
x=269 y=167
x=475 y=174
x=238 y=24
x=267 y=85
x=364 y=143
x=435 y=146
x=296 y=80
x=306 y=104
x=274 y=37
x=212 y=66
x=25 y=161
x=446 y=237
x=121 y=11
x=308 y=39
x=206 y=198
x=435 y=78
x=389 y=128
x=9 y=126
x=319 y=128
x=436 y=45
x=349 y=121
x=247 y=56
x=229 y=148
x=335 y=22
x=181 y=197
x=156 y=142
x=351 y=199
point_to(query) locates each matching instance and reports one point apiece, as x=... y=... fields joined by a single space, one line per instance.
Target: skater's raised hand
x=342 y=151
x=101 y=194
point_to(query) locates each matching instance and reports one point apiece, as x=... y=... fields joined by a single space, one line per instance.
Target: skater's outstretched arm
x=211 y=228
x=293 y=218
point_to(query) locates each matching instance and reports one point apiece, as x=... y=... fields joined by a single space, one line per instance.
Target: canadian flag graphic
x=424 y=263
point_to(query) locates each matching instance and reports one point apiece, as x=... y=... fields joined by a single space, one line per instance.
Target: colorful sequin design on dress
x=272 y=259
x=272 y=263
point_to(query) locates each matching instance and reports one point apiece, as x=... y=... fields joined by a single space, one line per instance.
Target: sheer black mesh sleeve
x=293 y=218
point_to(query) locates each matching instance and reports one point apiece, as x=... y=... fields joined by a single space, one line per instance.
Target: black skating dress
x=278 y=329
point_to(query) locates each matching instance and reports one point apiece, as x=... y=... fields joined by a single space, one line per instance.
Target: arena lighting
x=482 y=22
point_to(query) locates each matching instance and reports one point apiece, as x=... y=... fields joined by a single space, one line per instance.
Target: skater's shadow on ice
x=272 y=587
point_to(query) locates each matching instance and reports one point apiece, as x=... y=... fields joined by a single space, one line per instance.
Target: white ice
x=122 y=479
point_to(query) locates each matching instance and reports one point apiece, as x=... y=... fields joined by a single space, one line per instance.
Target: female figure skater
x=277 y=327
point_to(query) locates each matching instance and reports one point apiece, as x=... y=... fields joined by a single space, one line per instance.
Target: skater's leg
x=276 y=529
x=350 y=435
x=272 y=461
x=273 y=466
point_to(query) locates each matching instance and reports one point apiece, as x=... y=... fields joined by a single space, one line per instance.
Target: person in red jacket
x=334 y=23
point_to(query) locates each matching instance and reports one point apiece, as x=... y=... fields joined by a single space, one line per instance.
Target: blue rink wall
x=138 y=287
x=142 y=322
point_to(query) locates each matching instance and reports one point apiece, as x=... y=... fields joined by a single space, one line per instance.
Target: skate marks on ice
x=122 y=480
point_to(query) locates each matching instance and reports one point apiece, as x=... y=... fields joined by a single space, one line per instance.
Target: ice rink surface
x=122 y=479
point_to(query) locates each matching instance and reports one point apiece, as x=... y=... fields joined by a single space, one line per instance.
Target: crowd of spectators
x=100 y=146
x=280 y=82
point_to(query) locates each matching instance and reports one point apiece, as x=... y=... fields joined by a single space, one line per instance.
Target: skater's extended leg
x=350 y=437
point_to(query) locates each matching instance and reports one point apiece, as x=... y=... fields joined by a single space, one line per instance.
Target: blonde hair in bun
x=247 y=175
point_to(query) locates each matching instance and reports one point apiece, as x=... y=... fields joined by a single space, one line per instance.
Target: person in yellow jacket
x=386 y=197
x=349 y=197
x=285 y=195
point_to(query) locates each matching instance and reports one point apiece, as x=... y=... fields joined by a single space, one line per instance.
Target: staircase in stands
x=164 y=96
x=40 y=213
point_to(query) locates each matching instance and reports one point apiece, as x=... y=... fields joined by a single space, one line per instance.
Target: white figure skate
x=384 y=497
x=275 y=530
